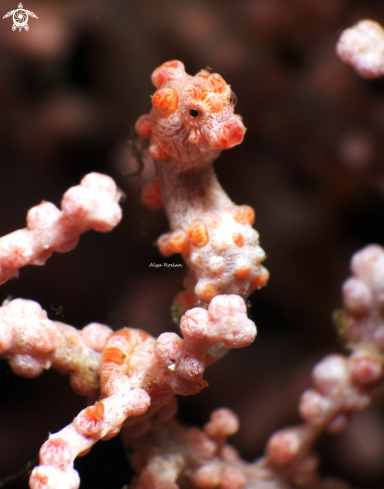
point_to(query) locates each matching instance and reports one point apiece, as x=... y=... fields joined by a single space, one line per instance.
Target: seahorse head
x=192 y=117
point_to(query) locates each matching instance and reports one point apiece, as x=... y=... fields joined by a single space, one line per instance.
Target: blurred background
x=311 y=165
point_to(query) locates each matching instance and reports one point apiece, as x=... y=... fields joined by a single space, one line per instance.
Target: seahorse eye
x=233 y=98
x=194 y=112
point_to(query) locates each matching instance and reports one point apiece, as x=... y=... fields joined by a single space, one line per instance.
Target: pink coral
x=342 y=386
x=31 y=343
x=362 y=47
x=136 y=375
x=139 y=376
x=91 y=205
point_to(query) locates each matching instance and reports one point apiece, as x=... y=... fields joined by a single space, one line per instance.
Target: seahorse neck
x=189 y=192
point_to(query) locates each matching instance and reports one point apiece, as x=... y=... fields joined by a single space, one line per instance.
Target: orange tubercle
x=197 y=92
x=208 y=292
x=260 y=280
x=242 y=272
x=114 y=355
x=230 y=134
x=143 y=126
x=178 y=242
x=95 y=412
x=197 y=233
x=243 y=214
x=217 y=83
x=170 y=70
x=163 y=245
x=151 y=196
x=238 y=239
x=90 y=421
x=166 y=99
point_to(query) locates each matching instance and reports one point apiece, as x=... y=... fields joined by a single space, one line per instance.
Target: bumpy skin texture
x=191 y=121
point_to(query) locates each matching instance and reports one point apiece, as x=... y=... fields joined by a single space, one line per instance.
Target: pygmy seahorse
x=191 y=121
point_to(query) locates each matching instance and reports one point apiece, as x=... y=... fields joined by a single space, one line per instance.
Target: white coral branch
x=91 y=205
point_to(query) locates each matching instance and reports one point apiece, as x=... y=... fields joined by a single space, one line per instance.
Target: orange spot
x=114 y=355
x=197 y=233
x=166 y=99
x=90 y=421
x=95 y=413
x=260 y=280
x=242 y=273
x=163 y=245
x=208 y=292
x=243 y=214
x=178 y=242
x=217 y=83
x=238 y=239
x=197 y=92
x=151 y=196
x=143 y=126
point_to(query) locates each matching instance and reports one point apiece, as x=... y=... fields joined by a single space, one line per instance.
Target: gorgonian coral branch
x=138 y=379
x=170 y=452
x=136 y=375
x=31 y=343
x=362 y=47
x=191 y=121
x=342 y=385
x=91 y=205
x=170 y=456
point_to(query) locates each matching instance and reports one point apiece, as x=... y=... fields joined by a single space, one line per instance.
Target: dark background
x=311 y=165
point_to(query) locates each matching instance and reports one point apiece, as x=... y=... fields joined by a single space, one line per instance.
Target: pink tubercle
x=56 y=452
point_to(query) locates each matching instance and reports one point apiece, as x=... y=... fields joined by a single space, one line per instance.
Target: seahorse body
x=191 y=121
